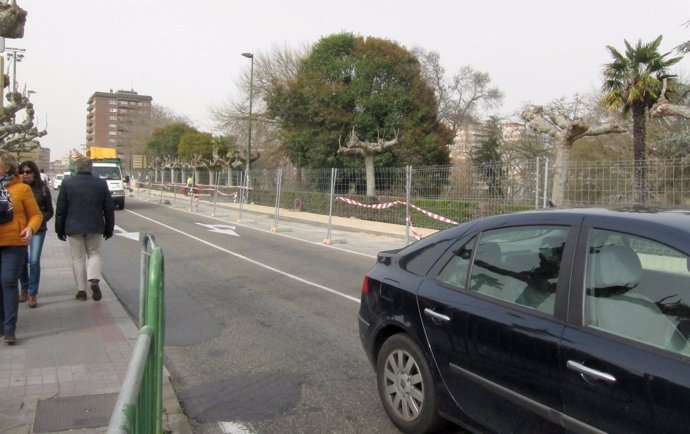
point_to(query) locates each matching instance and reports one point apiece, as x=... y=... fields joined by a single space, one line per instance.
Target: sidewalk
x=70 y=359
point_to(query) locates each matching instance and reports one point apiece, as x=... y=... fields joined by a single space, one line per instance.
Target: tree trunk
x=560 y=172
x=639 y=154
x=371 y=179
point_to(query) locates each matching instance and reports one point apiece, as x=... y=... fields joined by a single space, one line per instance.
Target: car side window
x=520 y=265
x=421 y=260
x=638 y=289
x=454 y=273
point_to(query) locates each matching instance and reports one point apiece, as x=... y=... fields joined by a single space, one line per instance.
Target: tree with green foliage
x=633 y=84
x=194 y=144
x=370 y=86
x=165 y=141
x=487 y=156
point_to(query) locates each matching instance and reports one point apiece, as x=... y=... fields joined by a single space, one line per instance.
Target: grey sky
x=187 y=55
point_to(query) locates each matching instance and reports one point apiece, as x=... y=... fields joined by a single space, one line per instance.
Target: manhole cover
x=74 y=412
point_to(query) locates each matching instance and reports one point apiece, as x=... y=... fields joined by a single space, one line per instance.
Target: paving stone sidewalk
x=70 y=359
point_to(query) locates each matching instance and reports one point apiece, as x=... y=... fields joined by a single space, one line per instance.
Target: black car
x=562 y=320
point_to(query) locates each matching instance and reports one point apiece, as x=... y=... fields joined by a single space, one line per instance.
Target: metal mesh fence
x=433 y=197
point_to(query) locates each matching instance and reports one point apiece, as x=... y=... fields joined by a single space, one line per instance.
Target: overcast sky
x=187 y=54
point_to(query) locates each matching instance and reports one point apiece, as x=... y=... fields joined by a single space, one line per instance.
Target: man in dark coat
x=85 y=213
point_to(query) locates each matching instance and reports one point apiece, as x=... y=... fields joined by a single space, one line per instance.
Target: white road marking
x=123 y=233
x=220 y=229
x=234 y=428
x=253 y=261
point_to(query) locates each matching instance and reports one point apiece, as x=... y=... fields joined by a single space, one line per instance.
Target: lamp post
x=16 y=54
x=251 y=98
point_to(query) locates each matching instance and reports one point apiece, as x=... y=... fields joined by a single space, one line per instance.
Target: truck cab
x=112 y=174
x=107 y=166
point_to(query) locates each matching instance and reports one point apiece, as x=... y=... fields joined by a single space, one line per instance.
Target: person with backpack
x=20 y=218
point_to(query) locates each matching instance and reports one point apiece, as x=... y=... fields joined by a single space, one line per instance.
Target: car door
x=489 y=314
x=624 y=352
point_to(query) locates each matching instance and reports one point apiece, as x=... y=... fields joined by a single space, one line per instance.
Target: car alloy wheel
x=406 y=386
x=403 y=384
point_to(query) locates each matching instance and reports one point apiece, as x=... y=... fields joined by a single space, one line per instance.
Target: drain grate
x=74 y=412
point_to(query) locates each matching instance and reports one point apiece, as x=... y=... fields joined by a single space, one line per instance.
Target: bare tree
x=664 y=108
x=368 y=151
x=276 y=68
x=18 y=136
x=461 y=96
x=565 y=129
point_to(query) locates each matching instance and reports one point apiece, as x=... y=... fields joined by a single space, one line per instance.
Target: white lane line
x=255 y=262
x=234 y=428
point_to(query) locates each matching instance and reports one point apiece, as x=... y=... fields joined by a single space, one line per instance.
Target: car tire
x=406 y=386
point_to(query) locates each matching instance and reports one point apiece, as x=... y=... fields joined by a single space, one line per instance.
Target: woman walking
x=19 y=219
x=30 y=275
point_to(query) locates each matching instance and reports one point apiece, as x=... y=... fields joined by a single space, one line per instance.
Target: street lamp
x=251 y=97
x=16 y=54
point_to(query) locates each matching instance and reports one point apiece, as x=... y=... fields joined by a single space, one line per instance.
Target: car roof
x=668 y=225
x=678 y=218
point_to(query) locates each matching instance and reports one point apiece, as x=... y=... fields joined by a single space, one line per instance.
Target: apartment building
x=120 y=120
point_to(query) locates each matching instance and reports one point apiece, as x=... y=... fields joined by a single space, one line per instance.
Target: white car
x=57 y=181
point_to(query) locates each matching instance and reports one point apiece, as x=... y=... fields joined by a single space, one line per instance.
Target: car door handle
x=592 y=373
x=436 y=315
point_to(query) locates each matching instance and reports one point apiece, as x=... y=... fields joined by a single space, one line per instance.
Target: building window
x=112 y=102
x=113 y=110
x=112 y=133
x=112 y=125
x=112 y=141
x=113 y=118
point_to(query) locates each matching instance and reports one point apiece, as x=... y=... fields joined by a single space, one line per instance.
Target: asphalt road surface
x=261 y=327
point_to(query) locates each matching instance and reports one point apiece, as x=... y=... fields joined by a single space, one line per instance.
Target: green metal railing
x=139 y=406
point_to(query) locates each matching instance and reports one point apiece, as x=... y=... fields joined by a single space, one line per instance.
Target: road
x=261 y=333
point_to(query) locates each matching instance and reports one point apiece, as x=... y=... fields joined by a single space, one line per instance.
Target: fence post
x=408 y=196
x=191 y=191
x=329 y=227
x=279 y=184
x=242 y=198
x=546 y=181
x=536 y=185
x=215 y=193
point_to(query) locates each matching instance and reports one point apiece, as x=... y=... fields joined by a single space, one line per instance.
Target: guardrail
x=139 y=406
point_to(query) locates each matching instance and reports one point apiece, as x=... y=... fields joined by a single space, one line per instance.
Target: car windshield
x=111 y=173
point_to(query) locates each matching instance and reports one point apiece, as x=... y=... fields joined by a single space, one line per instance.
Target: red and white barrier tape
x=416 y=234
x=233 y=195
x=374 y=206
x=397 y=202
x=434 y=216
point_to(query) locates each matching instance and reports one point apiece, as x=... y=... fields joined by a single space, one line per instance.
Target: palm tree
x=633 y=83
